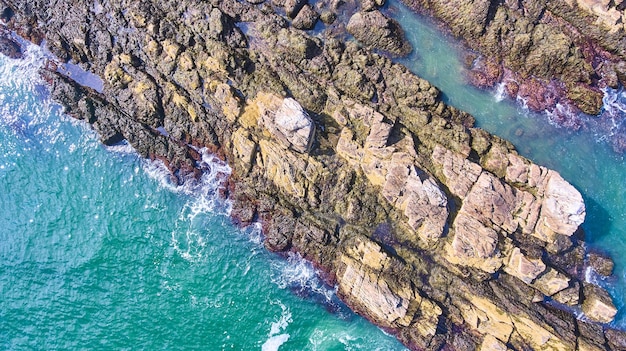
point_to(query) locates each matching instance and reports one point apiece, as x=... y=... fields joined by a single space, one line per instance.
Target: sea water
x=98 y=250
x=584 y=157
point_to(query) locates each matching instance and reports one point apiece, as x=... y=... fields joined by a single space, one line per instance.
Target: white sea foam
x=299 y=274
x=274 y=342
x=276 y=337
x=499 y=93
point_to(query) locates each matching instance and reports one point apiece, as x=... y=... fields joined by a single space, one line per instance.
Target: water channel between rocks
x=583 y=157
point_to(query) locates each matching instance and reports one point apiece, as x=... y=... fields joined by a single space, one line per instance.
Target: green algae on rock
x=435 y=230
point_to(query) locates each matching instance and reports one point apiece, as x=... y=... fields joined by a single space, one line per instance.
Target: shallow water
x=99 y=251
x=584 y=158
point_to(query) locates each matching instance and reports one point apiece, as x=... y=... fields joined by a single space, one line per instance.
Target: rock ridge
x=431 y=228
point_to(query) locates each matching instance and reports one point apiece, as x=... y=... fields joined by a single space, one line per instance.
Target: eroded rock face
x=429 y=227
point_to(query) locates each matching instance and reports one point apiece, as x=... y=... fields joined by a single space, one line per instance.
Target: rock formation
x=433 y=229
x=549 y=53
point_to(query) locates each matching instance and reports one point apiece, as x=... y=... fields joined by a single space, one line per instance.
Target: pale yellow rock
x=551 y=282
x=116 y=76
x=171 y=49
x=245 y=149
x=584 y=345
x=427 y=317
x=525 y=269
x=186 y=61
x=537 y=336
x=369 y=291
x=369 y=253
x=487 y=318
x=459 y=173
x=562 y=210
x=230 y=103
x=490 y=343
x=348 y=148
x=283 y=168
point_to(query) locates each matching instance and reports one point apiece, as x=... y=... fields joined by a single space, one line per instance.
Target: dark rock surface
x=377 y=31
x=431 y=228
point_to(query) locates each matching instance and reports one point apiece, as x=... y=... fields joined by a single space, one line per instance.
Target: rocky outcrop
x=377 y=31
x=550 y=53
x=433 y=229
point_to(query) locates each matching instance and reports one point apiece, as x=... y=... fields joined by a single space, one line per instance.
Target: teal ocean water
x=99 y=251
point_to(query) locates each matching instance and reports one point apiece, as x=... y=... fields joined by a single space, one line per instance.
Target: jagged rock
x=361 y=276
x=526 y=269
x=490 y=343
x=306 y=18
x=597 y=305
x=294 y=123
x=375 y=30
x=416 y=215
x=287 y=121
x=616 y=339
x=10 y=48
x=562 y=210
x=602 y=264
x=292 y=7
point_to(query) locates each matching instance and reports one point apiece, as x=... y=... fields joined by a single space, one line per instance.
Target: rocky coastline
x=434 y=230
x=556 y=56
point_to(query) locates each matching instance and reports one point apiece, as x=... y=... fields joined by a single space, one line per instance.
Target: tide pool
x=98 y=250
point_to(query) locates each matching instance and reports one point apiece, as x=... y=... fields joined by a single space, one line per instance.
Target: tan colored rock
x=424 y=204
x=244 y=148
x=231 y=107
x=362 y=283
x=460 y=174
x=598 y=305
x=290 y=171
x=492 y=202
x=562 y=210
x=490 y=343
x=552 y=282
x=294 y=123
x=286 y=120
x=487 y=318
x=472 y=239
x=586 y=345
x=538 y=337
x=525 y=269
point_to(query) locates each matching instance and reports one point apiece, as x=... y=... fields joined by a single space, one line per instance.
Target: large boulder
x=286 y=120
x=377 y=31
x=598 y=305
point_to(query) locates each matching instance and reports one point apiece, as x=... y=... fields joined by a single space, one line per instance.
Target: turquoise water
x=99 y=251
x=584 y=158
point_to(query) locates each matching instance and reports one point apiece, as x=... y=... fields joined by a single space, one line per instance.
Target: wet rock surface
x=431 y=228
